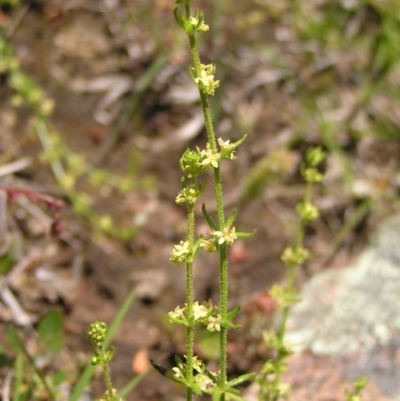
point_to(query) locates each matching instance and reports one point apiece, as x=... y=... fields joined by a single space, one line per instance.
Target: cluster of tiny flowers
x=199 y=311
x=187 y=195
x=295 y=256
x=228 y=235
x=307 y=211
x=208 y=245
x=177 y=313
x=180 y=252
x=227 y=148
x=214 y=323
x=97 y=333
x=206 y=81
x=111 y=395
x=197 y=365
x=211 y=157
x=201 y=314
x=194 y=22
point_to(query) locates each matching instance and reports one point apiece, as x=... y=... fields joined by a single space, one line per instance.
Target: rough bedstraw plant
x=223 y=233
x=193 y=164
x=271 y=387
x=102 y=357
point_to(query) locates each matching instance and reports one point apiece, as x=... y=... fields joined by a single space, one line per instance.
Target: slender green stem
x=289 y=289
x=223 y=305
x=107 y=379
x=189 y=306
x=223 y=273
x=223 y=284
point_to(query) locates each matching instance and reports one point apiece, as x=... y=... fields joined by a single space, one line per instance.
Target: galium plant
x=102 y=357
x=271 y=387
x=191 y=371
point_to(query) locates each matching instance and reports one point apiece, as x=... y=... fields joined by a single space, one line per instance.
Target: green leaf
x=209 y=219
x=234 y=312
x=50 y=330
x=240 y=141
x=217 y=394
x=241 y=379
x=6 y=264
x=229 y=325
x=233 y=396
x=19 y=373
x=196 y=388
x=133 y=384
x=196 y=246
x=179 y=20
x=245 y=235
x=59 y=377
x=14 y=340
x=231 y=218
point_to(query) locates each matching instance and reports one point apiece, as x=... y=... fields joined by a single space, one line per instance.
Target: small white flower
x=204 y=382
x=177 y=313
x=177 y=372
x=202 y=28
x=208 y=245
x=228 y=235
x=206 y=81
x=197 y=364
x=180 y=252
x=227 y=147
x=214 y=323
x=199 y=311
x=211 y=157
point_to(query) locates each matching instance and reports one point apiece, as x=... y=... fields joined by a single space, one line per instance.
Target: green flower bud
x=311 y=174
x=307 y=211
x=294 y=256
x=97 y=333
x=315 y=156
x=190 y=163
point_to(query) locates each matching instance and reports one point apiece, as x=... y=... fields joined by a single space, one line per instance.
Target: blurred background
x=96 y=108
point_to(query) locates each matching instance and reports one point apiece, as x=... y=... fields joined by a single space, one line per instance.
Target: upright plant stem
x=290 y=289
x=223 y=272
x=189 y=306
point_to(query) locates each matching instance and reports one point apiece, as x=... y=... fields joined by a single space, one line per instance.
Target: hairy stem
x=189 y=306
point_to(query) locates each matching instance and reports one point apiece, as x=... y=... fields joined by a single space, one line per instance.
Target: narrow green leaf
x=245 y=235
x=240 y=141
x=209 y=219
x=229 y=325
x=178 y=360
x=217 y=394
x=14 y=340
x=178 y=18
x=231 y=218
x=50 y=331
x=234 y=312
x=19 y=377
x=133 y=384
x=196 y=388
x=196 y=246
x=19 y=348
x=230 y=390
x=233 y=396
x=241 y=379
